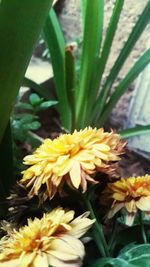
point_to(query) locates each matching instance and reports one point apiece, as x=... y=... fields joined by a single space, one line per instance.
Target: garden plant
x=69 y=206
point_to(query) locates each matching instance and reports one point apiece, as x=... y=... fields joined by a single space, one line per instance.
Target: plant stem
x=111 y=242
x=142 y=228
x=97 y=230
x=36 y=137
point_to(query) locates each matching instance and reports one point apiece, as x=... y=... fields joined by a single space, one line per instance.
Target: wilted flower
x=52 y=240
x=133 y=194
x=71 y=158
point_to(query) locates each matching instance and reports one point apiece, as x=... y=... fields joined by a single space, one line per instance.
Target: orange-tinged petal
x=90 y=150
x=132 y=193
x=45 y=241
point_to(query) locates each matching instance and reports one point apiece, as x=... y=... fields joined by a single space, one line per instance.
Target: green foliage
x=20 y=26
x=44 y=92
x=56 y=44
x=28 y=120
x=138 y=130
x=18 y=34
x=93 y=101
x=130 y=256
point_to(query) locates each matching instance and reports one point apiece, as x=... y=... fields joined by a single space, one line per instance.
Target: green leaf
x=133 y=37
x=34 y=99
x=138 y=130
x=137 y=255
x=108 y=262
x=24 y=116
x=110 y=34
x=27 y=118
x=48 y=104
x=134 y=256
x=35 y=125
x=56 y=44
x=83 y=10
x=20 y=26
x=90 y=52
x=22 y=105
x=70 y=80
x=132 y=74
x=42 y=91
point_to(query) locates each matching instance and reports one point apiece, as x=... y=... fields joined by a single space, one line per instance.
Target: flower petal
x=143 y=203
x=75 y=174
x=80 y=225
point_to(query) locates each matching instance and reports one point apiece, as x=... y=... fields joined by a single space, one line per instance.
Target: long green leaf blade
x=83 y=10
x=133 y=37
x=56 y=45
x=132 y=74
x=132 y=132
x=110 y=34
x=70 y=81
x=20 y=26
x=90 y=52
x=42 y=91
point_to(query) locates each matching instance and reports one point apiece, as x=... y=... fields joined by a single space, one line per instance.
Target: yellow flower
x=71 y=158
x=52 y=240
x=133 y=194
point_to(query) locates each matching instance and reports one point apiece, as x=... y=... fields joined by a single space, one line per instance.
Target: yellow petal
x=75 y=174
x=11 y=263
x=131 y=206
x=114 y=210
x=80 y=225
x=100 y=154
x=53 y=261
x=119 y=196
x=27 y=259
x=143 y=203
x=68 y=245
x=41 y=261
x=102 y=147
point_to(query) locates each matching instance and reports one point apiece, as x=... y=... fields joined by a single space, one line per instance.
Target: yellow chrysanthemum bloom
x=71 y=158
x=50 y=241
x=133 y=194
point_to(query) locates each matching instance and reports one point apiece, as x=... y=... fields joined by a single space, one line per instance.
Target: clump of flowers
x=132 y=194
x=52 y=240
x=71 y=158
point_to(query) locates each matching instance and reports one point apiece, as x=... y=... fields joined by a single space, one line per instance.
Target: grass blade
x=56 y=45
x=39 y=89
x=132 y=74
x=83 y=10
x=133 y=37
x=138 y=130
x=70 y=81
x=110 y=34
x=90 y=52
x=20 y=26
